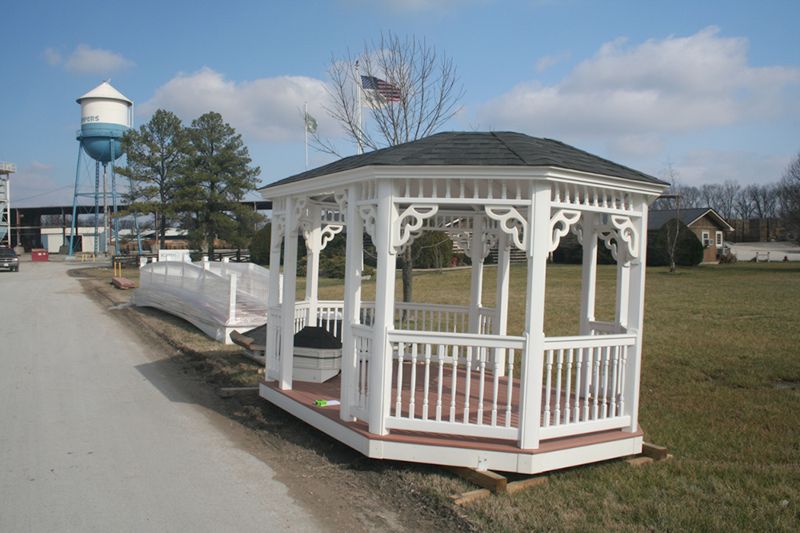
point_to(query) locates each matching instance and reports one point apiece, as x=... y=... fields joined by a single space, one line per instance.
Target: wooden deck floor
x=305 y=394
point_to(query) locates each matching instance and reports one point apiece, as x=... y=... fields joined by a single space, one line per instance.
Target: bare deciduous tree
x=790 y=197
x=425 y=94
x=674 y=226
x=727 y=199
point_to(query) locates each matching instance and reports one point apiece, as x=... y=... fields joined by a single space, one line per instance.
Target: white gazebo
x=447 y=384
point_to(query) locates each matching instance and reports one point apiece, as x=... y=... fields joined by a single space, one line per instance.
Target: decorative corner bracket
x=328 y=233
x=560 y=224
x=511 y=222
x=410 y=223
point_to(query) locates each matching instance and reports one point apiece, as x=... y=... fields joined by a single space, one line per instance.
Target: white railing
x=362 y=345
x=597 y=327
x=212 y=300
x=408 y=316
x=329 y=316
x=431 y=317
x=452 y=383
x=252 y=279
x=486 y=320
x=584 y=383
x=300 y=315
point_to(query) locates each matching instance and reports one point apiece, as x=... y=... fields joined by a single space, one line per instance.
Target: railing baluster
x=547 y=390
x=622 y=364
x=510 y=354
x=440 y=356
x=399 y=401
x=568 y=389
x=614 y=381
x=596 y=380
x=426 y=386
x=495 y=384
x=559 y=368
x=412 y=404
x=578 y=369
x=481 y=383
x=607 y=352
x=467 y=383
x=454 y=385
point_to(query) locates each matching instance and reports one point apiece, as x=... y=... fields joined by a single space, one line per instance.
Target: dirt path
x=343 y=489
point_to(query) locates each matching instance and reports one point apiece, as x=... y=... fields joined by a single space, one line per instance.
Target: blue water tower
x=106 y=114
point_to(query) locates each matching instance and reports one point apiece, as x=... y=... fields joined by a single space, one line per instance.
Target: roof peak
x=105 y=90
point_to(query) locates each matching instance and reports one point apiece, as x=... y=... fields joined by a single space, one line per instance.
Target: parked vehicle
x=9 y=259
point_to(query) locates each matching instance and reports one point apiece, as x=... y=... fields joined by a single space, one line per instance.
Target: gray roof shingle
x=496 y=148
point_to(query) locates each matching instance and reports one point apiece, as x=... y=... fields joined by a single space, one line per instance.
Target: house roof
x=494 y=148
x=656 y=218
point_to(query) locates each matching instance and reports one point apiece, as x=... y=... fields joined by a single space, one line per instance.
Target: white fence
x=584 y=384
x=452 y=383
x=217 y=299
x=448 y=381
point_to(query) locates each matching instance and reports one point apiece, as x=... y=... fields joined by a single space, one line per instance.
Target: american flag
x=391 y=93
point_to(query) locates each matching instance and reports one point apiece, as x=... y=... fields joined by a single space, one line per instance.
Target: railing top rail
x=457 y=339
x=589 y=341
x=362 y=329
x=424 y=306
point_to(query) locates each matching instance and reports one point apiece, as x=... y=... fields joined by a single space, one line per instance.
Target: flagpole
x=305 y=128
x=358 y=110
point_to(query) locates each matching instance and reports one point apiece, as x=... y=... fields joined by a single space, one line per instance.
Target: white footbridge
x=217 y=298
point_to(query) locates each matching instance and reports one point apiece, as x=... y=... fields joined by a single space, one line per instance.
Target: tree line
x=191 y=176
x=764 y=202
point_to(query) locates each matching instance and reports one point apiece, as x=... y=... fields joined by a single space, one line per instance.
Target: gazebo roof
x=494 y=148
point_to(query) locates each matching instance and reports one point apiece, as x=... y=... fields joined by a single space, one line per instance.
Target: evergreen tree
x=216 y=176
x=156 y=153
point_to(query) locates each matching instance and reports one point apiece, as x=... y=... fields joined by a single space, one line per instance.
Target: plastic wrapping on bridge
x=218 y=298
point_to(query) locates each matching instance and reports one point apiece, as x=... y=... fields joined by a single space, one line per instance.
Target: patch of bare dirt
x=346 y=490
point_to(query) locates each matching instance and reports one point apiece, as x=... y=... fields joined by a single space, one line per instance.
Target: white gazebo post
x=313 y=240
x=289 y=288
x=635 y=316
x=537 y=240
x=476 y=280
x=274 y=296
x=354 y=265
x=380 y=363
x=588 y=271
x=501 y=300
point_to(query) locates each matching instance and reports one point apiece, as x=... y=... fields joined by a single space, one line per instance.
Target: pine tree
x=156 y=154
x=216 y=176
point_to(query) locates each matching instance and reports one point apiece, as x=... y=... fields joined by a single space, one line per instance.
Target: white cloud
x=545 y=62
x=698 y=167
x=266 y=109
x=633 y=94
x=34 y=185
x=87 y=60
x=52 y=56
x=40 y=167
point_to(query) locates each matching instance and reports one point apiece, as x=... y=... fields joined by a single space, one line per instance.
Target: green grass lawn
x=720 y=388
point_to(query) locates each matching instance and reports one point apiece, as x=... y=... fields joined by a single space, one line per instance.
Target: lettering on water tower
x=90 y=118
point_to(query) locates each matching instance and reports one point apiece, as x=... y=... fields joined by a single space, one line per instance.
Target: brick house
x=704 y=222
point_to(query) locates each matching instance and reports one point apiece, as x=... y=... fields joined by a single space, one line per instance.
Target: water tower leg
x=96 y=207
x=114 y=200
x=106 y=221
x=74 y=221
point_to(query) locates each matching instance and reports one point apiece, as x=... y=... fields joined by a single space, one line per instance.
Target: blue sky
x=711 y=88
